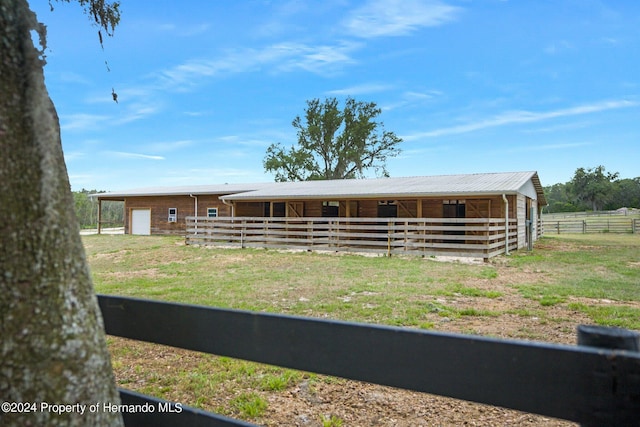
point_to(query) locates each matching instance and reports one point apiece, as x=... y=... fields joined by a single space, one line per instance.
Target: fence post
x=584 y=226
x=611 y=339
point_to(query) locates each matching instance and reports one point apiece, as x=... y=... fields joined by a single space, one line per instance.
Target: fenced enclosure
x=591 y=225
x=596 y=383
x=462 y=237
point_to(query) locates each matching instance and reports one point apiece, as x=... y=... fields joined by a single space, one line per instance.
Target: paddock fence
x=591 y=225
x=594 y=383
x=462 y=237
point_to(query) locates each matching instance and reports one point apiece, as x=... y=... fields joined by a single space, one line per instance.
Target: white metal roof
x=420 y=186
x=184 y=190
x=526 y=183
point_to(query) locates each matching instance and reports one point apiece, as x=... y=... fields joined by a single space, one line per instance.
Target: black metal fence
x=595 y=383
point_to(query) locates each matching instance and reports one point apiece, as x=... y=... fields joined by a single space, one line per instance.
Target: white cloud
x=515 y=117
x=138 y=111
x=280 y=57
x=361 y=89
x=208 y=175
x=169 y=146
x=381 y=18
x=81 y=121
x=73 y=155
x=548 y=147
x=558 y=47
x=128 y=155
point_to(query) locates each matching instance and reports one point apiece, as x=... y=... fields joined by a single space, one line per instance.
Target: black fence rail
x=594 y=383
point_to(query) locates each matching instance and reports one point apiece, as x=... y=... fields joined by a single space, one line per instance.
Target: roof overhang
x=446 y=186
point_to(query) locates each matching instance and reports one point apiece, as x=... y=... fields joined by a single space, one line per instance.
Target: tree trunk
x=52 y=345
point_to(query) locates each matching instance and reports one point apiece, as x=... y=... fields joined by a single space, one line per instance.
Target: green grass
x=397 y=291
x=331 y=421
x=249 y=405
x=611 y=315
x=597 y=276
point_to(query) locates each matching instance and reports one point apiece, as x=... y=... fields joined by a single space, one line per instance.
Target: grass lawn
x=541 y=295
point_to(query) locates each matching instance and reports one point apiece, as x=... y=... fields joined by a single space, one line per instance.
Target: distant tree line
x=87 y=210
x=593 y=189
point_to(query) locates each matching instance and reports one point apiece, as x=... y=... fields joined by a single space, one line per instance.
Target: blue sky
x=204 y=87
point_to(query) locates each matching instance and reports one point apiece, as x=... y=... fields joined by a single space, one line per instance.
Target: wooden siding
x=521 y=216
x=159 y=206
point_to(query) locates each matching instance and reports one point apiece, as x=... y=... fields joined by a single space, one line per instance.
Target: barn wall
x=313 y=208
x=534 y=205
x=432 y=208
x=485 y=207
x=160 y=205
x=522 y=216
x=249 y=209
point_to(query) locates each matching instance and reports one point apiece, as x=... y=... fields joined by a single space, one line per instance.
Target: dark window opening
x=330 y=209
x=387 y=209
x=454 y=209
x=279 y=209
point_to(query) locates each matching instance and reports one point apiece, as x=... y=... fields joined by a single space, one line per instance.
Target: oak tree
x=334 y=143
x=593 y=186
x=52 y=344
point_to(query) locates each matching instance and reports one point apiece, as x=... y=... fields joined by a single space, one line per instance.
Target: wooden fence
x=466 y=237
x=593 y=386
x=593 y=225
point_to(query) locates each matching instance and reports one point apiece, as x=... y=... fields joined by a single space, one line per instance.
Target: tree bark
x=52 y=344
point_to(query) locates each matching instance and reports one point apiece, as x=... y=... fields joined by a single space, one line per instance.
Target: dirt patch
x=361 y=404
x=149 y=273
x=313 y=400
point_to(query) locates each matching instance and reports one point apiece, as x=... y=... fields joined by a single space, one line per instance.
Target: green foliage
x=101 y=13
x=87 y=210
x=334 y=143
x=593 y=186
x=593 y=189
x=249 y=405
x=331 y=421
x=280 y=381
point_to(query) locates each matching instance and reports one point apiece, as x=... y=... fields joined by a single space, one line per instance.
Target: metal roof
x=392 y=188
x=184 y=190
x=419 y=186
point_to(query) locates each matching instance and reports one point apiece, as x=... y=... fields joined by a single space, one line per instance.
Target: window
x=330 y=209
x=212 y=212
x=453 y=208
x=387 y=209
x=173 y=215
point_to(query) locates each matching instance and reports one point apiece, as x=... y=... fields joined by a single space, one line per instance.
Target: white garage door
x=141 y=221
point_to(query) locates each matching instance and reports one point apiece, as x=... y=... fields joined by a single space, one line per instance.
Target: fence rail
x=595 y=225
x=615 y=213
x=592 y=386
x=470 y=237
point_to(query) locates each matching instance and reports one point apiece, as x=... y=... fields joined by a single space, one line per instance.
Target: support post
x=624 y=412
x=609 y=338
x=99 y=215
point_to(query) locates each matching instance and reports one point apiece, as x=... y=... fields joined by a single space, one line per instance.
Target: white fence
x=465 y=237
x=591 y=225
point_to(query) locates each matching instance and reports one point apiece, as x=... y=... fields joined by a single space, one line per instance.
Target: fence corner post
x=609 y=338
x=622 y=408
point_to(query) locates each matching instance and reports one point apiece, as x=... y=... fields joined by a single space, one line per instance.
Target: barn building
x=469 y=215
